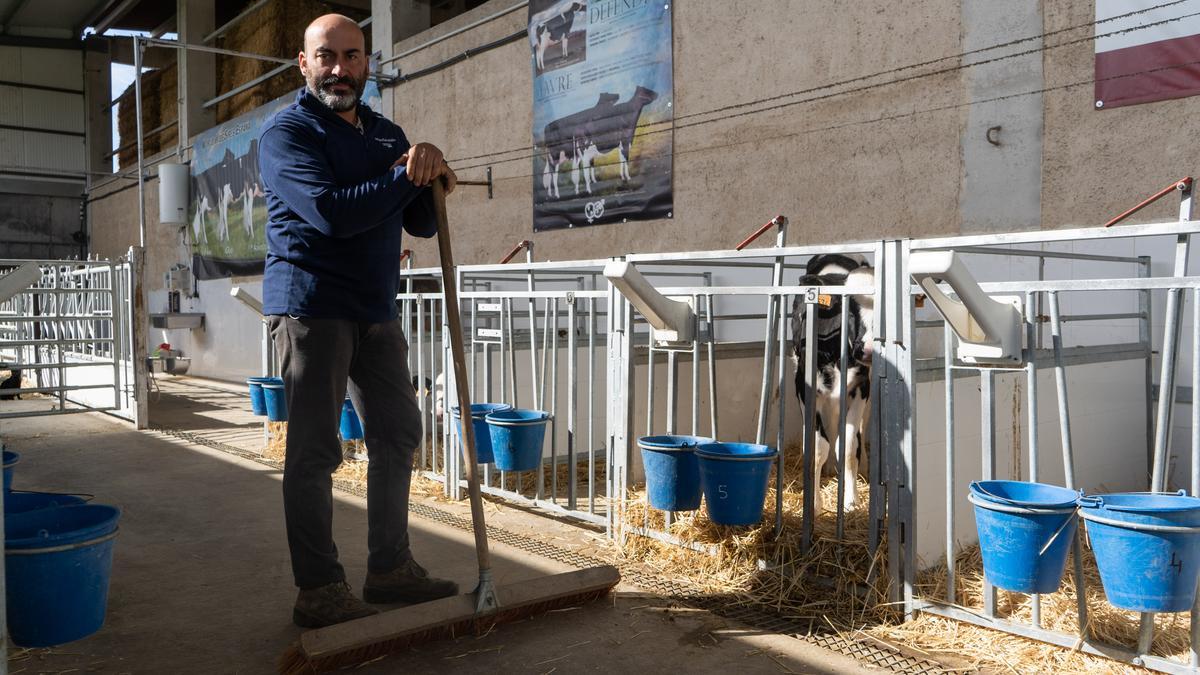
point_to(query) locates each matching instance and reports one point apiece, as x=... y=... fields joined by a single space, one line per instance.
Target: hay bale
x=275 y=29
x=159 y=105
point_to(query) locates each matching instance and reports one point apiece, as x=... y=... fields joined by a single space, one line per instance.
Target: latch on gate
x=670 y=320
x=988 y=328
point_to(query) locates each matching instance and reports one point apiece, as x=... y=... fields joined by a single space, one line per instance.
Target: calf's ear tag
x=825 y=300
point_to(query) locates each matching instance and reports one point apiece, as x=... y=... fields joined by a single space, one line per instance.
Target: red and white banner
x=1157 y=57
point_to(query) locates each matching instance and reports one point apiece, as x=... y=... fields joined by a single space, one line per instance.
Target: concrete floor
x=201 y=581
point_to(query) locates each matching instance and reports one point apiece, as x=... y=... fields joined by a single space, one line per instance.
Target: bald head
x=334 y=61
x=324 y=27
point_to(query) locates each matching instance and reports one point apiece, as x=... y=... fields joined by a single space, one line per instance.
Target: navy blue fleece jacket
x=336 y=211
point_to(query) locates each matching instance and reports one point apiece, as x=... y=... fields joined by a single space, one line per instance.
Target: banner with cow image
x=228 y=211
x=602 y=111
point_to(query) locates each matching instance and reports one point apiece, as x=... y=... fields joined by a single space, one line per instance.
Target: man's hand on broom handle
x=423 y=163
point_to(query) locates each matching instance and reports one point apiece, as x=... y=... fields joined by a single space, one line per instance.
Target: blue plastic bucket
x=23 y=502
x=483 y=437
x=733 y=477
x=1147 y=547
x=57 y=566
x=1025 y=531
x=275 y=398
x=10 y=460
x=672 y=471
x=517 y=436
x=258 y=403
x=351 y=427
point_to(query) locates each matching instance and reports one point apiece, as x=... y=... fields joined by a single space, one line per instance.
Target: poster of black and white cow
x=557 y=33
x=837 y=270
x=581 y=137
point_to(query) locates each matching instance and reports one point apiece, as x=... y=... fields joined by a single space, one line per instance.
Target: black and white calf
x=838 y=270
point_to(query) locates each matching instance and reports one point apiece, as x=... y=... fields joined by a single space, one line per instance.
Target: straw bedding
x=838 y=585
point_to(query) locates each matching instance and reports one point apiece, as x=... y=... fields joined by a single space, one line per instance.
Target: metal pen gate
x=70 y=333
x=1127 y=287
x=537 y=332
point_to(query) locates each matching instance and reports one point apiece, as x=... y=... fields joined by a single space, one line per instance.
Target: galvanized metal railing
x=70 y=331
x=1124 y=277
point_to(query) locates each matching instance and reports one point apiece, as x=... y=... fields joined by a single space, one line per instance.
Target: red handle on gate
x=1181 y=184
x=777 y=221
x=516 y=249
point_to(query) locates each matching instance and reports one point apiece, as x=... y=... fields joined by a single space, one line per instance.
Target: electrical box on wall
x=179 y=278
x=173 y=182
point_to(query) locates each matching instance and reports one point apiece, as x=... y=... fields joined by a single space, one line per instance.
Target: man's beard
x=322 y=89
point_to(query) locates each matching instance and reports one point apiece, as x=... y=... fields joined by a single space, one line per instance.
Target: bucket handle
x=1142 y=527
x=87 y=497
x=1053 y=537
x=978 y=488
x=1097 y=501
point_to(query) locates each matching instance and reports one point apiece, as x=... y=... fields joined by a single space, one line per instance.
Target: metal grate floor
x=756 y=616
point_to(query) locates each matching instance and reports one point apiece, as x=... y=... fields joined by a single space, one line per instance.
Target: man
x=341 y=183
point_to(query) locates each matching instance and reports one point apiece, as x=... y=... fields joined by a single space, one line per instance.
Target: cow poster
x=602 y=111
x=228 y=211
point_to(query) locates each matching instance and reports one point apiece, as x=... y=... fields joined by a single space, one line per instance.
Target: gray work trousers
x=317 y=357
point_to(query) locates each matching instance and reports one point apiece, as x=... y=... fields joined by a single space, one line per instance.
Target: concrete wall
x=831 y=165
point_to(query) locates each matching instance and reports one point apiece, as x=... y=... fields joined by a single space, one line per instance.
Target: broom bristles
x=294 y=660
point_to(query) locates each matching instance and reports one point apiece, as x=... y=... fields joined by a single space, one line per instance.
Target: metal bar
x=421 y=373
x=43 y=413
x=67 y=364
x=1194 y=619
x=811 y=485
x=1033 y=253
x=229 y=24
x=591 y=415
x=777 y=221
x=781 y=392
x=1181 y=184
x=877 y=497
x=1060 y=639
x=455 y=32
x=987 y=419
x=506 y=339
x=650 y=388
x=712 y=369
x=58 y=346
x=1084 y=285
x=51 y=343
x=1159 y=229
x=906 y=405
x=141 y=159
x=672 y=389
x=572 y=401
x=515 y=400
x=554 y=407
x=696 y=373
x=1166 y=379
x=948 y=346
x=1064 y=426
x=840 y=453
x=56 y=389
x=772 y=305
x=1031 y=402
x=1145 y=305
x=533 y=355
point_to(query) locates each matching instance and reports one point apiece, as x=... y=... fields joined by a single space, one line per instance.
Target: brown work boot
x=327 y=605
x=407 y=583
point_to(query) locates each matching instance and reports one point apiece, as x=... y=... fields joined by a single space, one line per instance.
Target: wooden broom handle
x=461 y=383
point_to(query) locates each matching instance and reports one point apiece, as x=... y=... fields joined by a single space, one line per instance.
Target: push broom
x=367 y=639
